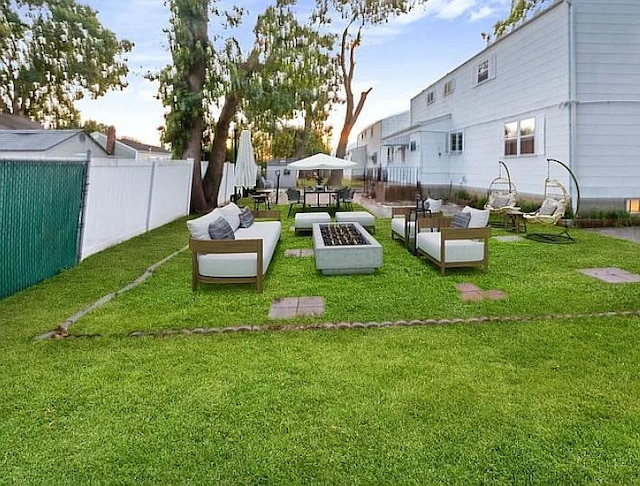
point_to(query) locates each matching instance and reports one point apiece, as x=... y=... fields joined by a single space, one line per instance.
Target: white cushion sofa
x=402 y=227
x=242 y=257
x=456 y=247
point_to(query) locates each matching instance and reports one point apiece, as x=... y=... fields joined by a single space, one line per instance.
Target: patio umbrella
x=321 y=161
x=246 y=167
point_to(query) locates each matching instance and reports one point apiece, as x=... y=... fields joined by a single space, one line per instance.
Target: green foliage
x=521 y=10
x=285 y=141
x=52 y=53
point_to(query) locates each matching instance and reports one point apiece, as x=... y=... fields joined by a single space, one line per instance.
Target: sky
x=398 y=59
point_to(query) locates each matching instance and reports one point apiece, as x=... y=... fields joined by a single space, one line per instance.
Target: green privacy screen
x=40 y=211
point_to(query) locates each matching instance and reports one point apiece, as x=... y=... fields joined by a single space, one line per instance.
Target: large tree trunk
x=213 y=176
x=301 y=143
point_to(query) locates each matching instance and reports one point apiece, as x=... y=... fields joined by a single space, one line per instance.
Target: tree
x=53 y=53
x=521 y=10
x=358 y=14
x=286 y=143
x=182 y=87
x=262 y=83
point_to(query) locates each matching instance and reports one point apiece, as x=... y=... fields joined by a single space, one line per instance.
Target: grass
x=542 y=401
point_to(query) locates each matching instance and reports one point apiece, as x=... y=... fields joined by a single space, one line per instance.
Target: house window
x=430 y=97
x=390 y=153
x=633 y=206
x=519 y=137
x=455 y=142
x=412 y=146
x=448 y=87
x=483 y=71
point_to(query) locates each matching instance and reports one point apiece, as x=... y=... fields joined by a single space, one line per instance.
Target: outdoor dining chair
x=295 y=197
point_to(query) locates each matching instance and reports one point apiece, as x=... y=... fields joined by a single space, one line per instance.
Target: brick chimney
x=111 y=140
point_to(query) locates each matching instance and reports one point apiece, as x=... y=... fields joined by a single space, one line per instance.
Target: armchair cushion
x=479 y=217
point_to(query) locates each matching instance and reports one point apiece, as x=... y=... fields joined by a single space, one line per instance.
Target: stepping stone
x=289 y=307
x=298 y=252
x=611 y=275
x=470 y=292
x=508 y=238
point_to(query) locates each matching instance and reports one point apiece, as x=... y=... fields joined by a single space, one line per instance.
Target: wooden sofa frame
x=406 y=212
x=449 y=234
x=231 y=246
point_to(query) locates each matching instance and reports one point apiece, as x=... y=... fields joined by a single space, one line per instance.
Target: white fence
x=126 y=198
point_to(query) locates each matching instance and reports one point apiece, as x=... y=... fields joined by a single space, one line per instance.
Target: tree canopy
x=521 y=10
x=53 y=53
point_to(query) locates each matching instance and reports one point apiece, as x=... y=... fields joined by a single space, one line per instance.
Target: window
x=412 y=146
x=633 y=206
x=448 y=87
x=483 y=71
x=430 y=97
x=390 y=154
x=519 y=137
x=455 y=142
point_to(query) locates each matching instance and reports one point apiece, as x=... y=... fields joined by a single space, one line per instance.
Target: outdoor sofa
x=228 y=246
x=459 y=242
x=403 y=225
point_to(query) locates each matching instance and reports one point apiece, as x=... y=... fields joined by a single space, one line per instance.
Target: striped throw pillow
x=220 y=229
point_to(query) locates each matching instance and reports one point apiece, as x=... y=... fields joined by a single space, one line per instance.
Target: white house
x=20 y=144
x=564 y=85
x=129 y=148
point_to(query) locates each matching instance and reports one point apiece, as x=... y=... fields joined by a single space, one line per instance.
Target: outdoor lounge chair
x=294 y=197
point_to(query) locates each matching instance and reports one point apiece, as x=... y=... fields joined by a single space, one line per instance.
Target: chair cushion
x=548 y=207
x=479 y=217
x=461 y=220
x=246 y=218
x=220 y=229
x=456 y=251
x=434 y=205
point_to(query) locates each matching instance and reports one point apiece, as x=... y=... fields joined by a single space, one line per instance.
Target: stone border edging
x=368 y=325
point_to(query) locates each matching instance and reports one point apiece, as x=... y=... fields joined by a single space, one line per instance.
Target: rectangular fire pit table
x=345 y=248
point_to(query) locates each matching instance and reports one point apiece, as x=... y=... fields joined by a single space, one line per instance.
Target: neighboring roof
x=142 y=147
x=33 y=140
x=14 y=122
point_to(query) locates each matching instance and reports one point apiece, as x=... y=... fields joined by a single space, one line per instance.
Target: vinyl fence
x=129 y=197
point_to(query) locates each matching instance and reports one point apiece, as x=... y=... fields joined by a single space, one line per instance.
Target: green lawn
x=546 y=400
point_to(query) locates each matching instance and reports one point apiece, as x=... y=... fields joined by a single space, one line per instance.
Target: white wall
x=126 y=198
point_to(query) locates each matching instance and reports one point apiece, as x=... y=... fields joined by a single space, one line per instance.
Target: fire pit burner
x=341 y=235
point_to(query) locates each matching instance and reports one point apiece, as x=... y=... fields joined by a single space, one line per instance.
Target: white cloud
x=481 y=13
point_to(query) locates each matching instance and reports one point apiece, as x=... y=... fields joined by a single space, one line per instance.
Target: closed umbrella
x=246 y=167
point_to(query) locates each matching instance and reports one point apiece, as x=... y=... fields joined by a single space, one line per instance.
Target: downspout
x=572 y=96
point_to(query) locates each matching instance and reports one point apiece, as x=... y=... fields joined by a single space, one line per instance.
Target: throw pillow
x=199 y=227
x=460 y=220
x=548 y=207
x=246 y=218
x=435 y=205
x=219 y=229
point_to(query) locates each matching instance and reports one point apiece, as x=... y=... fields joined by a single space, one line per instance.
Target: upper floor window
x=430 y=97
x=520 y=137
x=448 y=87
x=455 y=142
x=483 y=71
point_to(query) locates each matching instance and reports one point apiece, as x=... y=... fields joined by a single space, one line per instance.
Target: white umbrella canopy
x=246 y=167
x=321 y=161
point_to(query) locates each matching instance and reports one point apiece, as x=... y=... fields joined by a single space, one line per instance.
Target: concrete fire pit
x=358 y=253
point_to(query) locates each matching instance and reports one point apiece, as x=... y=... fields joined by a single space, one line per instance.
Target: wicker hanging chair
x=502 y=193
x=554 y=205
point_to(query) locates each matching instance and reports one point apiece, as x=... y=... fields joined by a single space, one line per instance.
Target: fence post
x=83 y=207
x=151 y=186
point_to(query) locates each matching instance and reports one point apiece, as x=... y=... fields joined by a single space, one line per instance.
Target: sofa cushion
x=219 y=229
x=398 y=226
x=246 y=218
x=479 y=217
x=456 y=251
x=243 y=264
x=231 y=213
x=434 y=205
x=199 y=227
x=461 y=220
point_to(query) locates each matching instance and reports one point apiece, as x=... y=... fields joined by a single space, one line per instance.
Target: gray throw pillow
x=548 y=207
x=220 y=229
x=246 y=218
x=460 y=220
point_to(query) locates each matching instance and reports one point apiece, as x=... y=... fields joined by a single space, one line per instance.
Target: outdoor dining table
x=321 y=197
